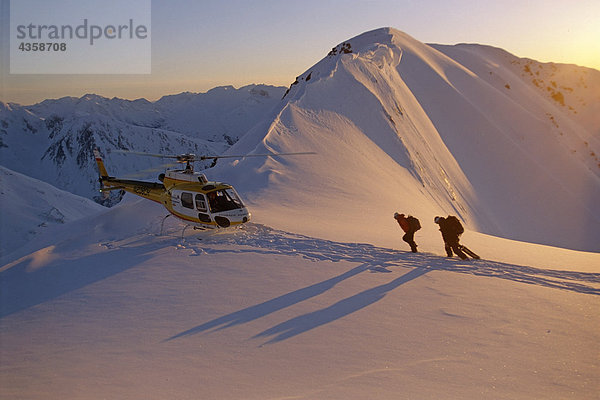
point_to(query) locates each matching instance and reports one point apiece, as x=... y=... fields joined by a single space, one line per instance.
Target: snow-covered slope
x=53 y=140
x=105 y=307
x=431 y=130
x=30 y=207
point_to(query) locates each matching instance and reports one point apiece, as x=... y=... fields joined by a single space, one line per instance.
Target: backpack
x=414 y=223
x=454 y=225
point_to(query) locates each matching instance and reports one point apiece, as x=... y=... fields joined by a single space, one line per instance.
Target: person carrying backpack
x=451 y=229
x=409 y=225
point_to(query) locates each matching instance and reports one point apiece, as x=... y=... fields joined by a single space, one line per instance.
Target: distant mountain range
x=53 y=140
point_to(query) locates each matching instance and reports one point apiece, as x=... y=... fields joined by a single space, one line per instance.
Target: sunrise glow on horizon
x=200 y=45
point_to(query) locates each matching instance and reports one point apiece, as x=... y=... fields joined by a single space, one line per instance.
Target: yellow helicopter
x=186 y=194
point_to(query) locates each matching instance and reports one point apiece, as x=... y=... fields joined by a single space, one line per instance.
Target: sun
x=585 y=46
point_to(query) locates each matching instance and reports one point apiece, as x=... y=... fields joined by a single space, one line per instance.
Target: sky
x=197 y=45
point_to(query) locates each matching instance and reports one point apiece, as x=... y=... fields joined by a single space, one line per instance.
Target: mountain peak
x=435 y=130
x=92 y=97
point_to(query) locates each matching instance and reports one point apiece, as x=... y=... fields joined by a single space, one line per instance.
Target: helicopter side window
x=200 y=203
x=187 y=200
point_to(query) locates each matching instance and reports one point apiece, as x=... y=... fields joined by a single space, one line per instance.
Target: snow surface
x=106 y=307
x=318 y=297
x=30 y=206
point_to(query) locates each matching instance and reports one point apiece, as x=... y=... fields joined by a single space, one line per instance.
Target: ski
x=469 y=252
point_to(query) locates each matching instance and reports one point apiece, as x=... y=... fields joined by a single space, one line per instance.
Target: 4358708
x=42 y=46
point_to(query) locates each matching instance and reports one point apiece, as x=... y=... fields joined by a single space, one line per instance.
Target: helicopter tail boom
x=149 y=190
x=101 y=167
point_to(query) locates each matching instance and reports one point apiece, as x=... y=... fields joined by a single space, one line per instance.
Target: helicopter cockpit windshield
x=224 y=200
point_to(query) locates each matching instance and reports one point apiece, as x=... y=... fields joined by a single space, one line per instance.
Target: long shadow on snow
x=261 y=239
x=312 y=320
x=268 y=307
x=23 y=285
x=306 y=322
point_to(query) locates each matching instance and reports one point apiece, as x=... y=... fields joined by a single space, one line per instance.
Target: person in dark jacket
x=409 y=229
x=450 y=234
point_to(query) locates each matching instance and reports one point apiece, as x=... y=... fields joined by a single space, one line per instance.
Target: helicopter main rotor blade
x=140 y=153
x=255 y=155
x=145 y=172
x=182 y=158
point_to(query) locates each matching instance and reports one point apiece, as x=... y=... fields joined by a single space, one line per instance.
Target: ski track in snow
x=56 y=270
x=260 y=238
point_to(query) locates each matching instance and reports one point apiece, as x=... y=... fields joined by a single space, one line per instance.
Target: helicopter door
x=191 y=205
x=201 y=208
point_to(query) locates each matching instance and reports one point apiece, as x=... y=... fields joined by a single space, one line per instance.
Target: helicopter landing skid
x=183 y=231
x=162 y=224
x=196 y=228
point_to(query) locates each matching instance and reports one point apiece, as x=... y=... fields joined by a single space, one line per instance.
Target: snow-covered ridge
x=30 y=207
x=399 y=124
